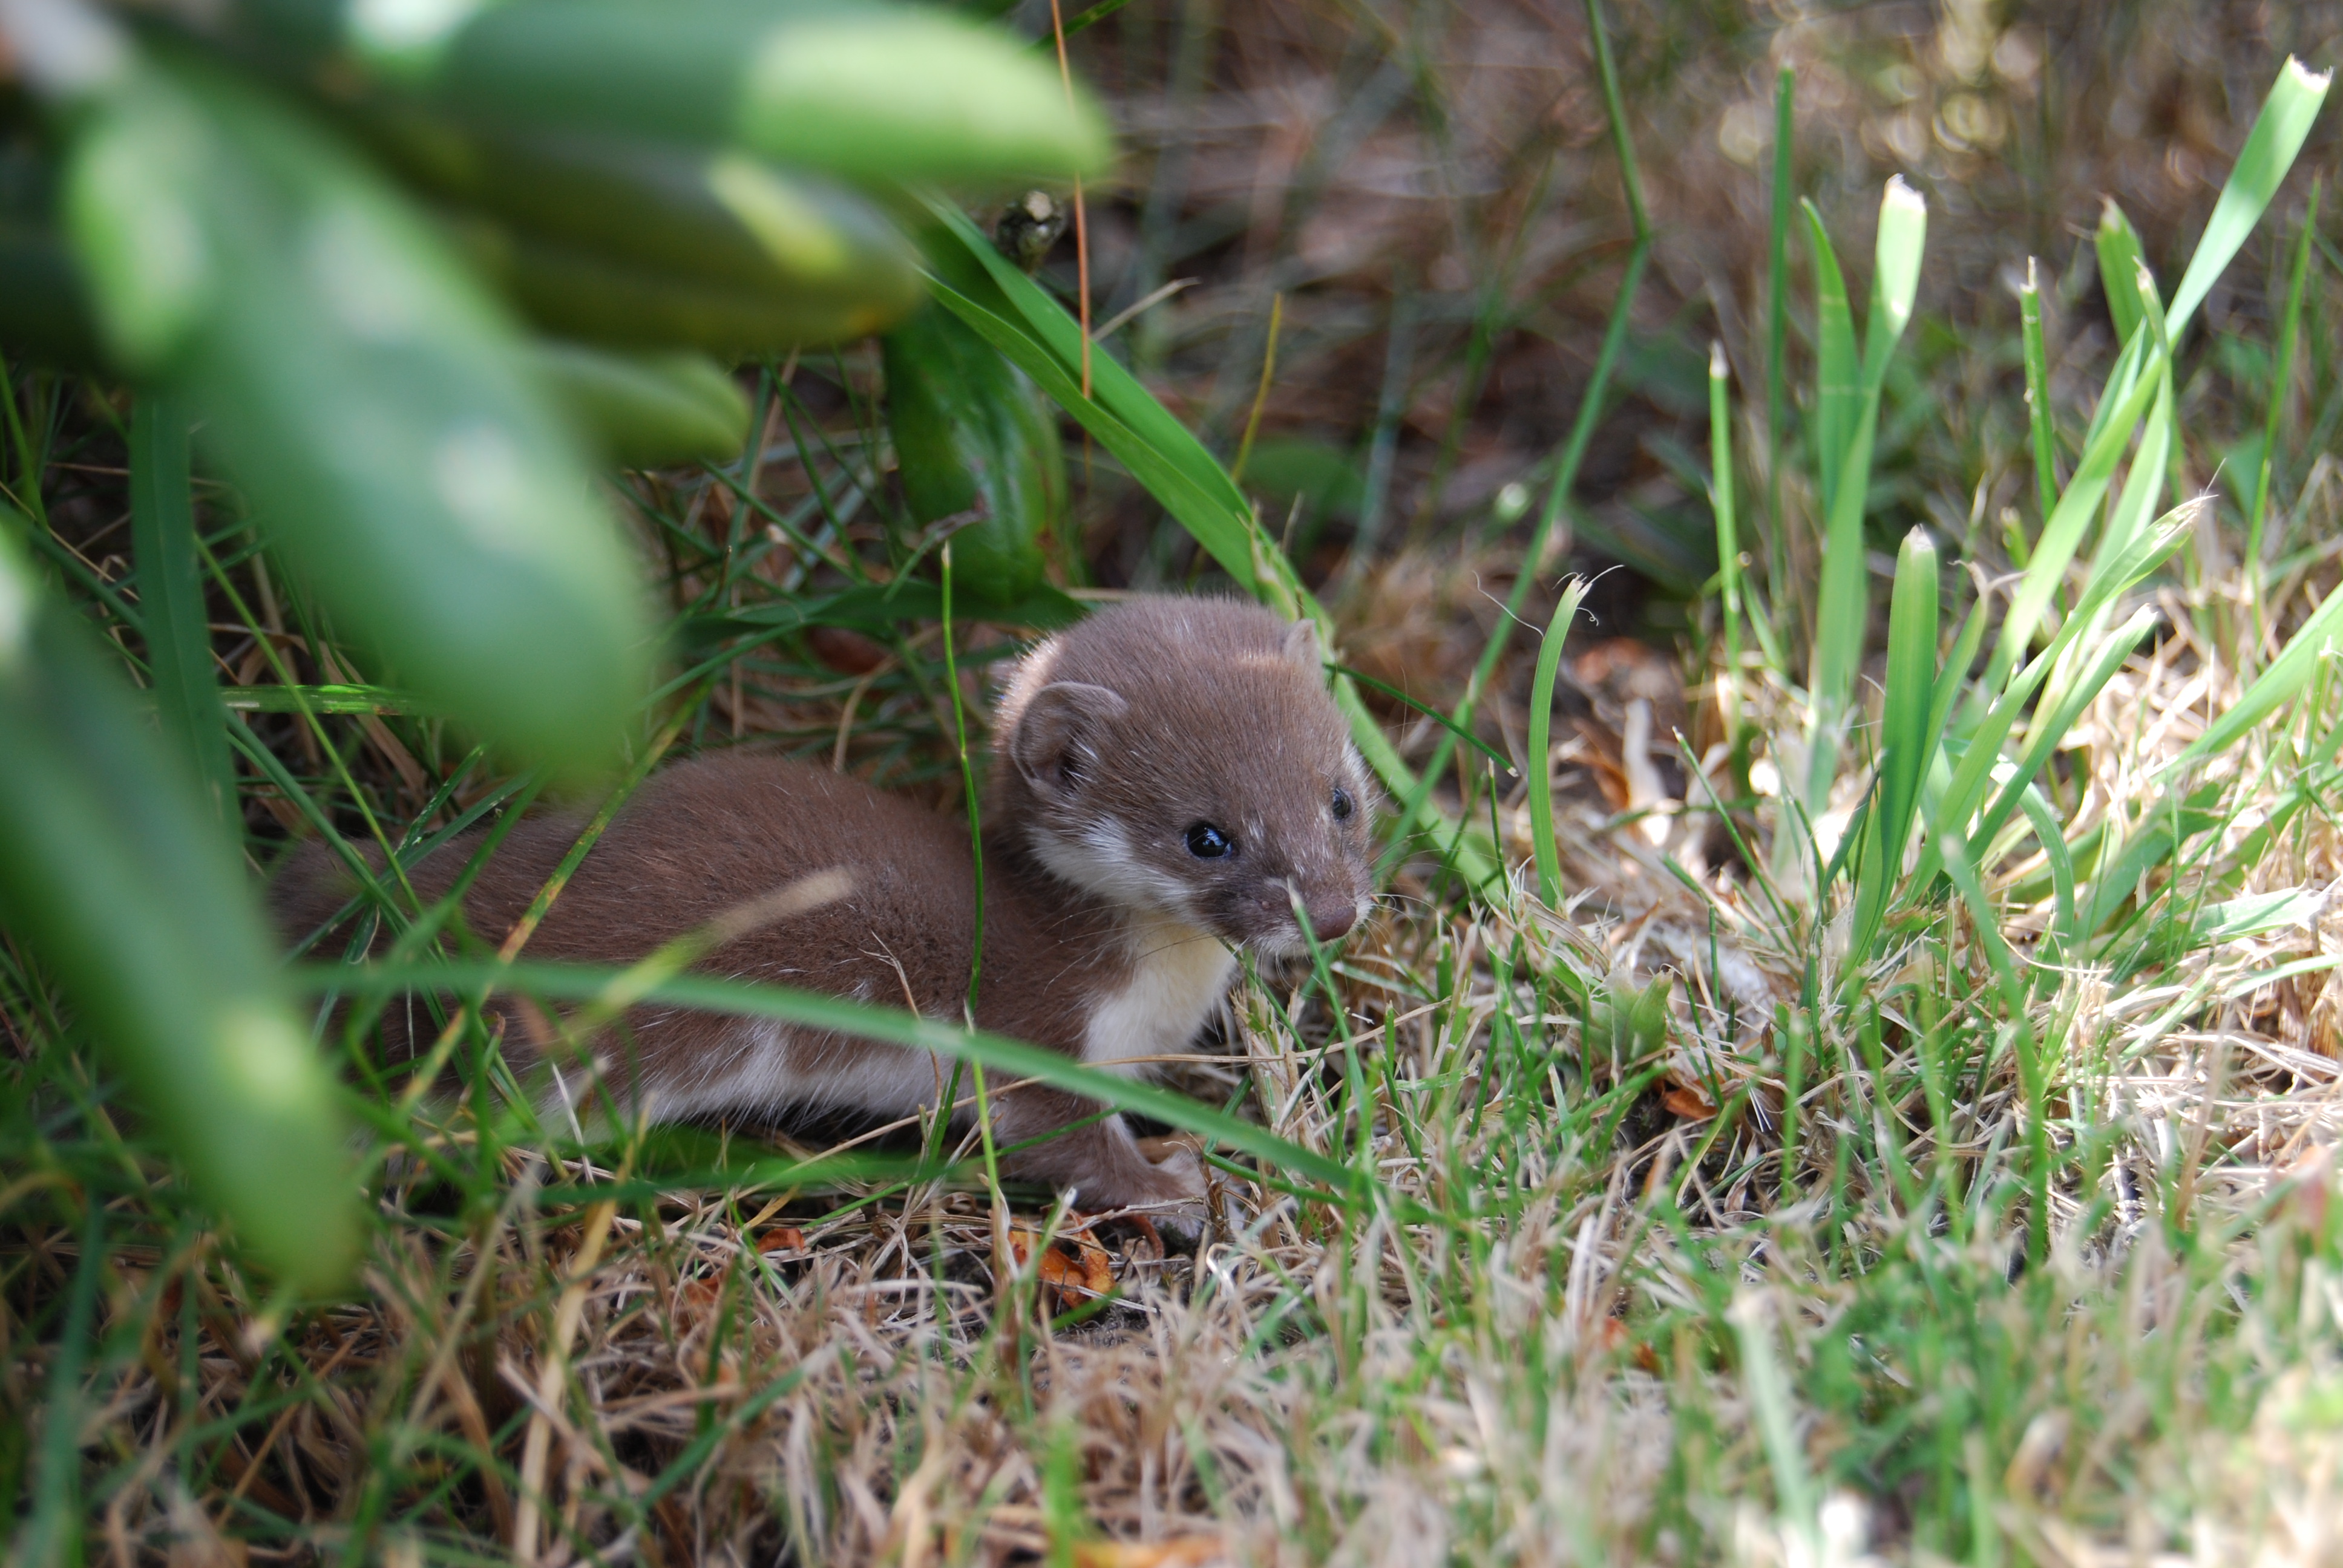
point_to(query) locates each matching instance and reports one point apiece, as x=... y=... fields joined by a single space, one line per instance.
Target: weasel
x=1170 y=783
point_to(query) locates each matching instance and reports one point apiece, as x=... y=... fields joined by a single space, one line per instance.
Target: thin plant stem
x=1728 y=536
x=1261 y=394
x=2038 y=395
x=1777 y=330
x=967 y=788
x=1081 y=216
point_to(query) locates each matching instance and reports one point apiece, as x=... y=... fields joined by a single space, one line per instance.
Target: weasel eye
x=1341 y=805
x=1207 y=842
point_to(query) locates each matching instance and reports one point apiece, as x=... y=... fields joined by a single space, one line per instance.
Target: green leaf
x=1842 y=605
x=971 y=436
x=171 y=595
x=1908 y=741
x=2117 y=573
x=1541 y=745
x=649 y=243
x=879 y=92
x=2288 y=674
x=374 y=407
x=2120 y=262
x=2077 y=507
x=1838 y=375
x=2038 y=395
x=646 y=410
x=1009 y=310
x=847 y=1020
x=113 y=870
x=2262 y=163
x=2049 y=730
x=1895 y=277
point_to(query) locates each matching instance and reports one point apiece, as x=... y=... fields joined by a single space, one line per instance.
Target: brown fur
x=1113 y=740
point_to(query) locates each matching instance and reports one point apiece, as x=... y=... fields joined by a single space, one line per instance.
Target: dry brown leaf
x=1181 y=1551
x=1070 y=1280
x=1689 y=1103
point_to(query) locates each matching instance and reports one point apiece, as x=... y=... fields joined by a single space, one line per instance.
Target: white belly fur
x=1178 y=976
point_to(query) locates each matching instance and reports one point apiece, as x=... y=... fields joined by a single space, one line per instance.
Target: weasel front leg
x=1100 y=1162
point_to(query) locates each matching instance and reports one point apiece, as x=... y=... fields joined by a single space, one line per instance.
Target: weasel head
x=1180 y=757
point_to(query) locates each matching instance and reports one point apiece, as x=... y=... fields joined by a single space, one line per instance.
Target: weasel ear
x=1056 y=733
x=1302 y=648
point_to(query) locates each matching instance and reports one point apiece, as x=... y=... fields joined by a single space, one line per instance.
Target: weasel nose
x=1330 y=920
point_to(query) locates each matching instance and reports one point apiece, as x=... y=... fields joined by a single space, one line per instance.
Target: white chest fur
x=1177 y=977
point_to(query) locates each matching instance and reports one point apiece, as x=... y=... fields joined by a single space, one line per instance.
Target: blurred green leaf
x=590 y=233
x=971 y=436
x=114 y=870
x=171 y=595
x=881 y=93
x=648 y=410
x=574 y=292
x=45 y=313
x=374 y=405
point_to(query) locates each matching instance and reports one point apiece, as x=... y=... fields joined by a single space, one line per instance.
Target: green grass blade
x=1906 y=741
x=1010 y=311
x=1777 y=323
x=1910 y=697
x=2063 y=532
x=2281 y=390
x=1777 y=1429
x=1842 y=606
x=2262 y=163
x=2050 y=730
x=2120 y=261
x=171 y=595
x=1895 y=278
x=1954 y=674
x=2038 y=395
x=2048 y=833
x=1965 y=791
x=846 y=1020
x=1541 y=746
x=2288 y=674
x=1720 y=500
x=1836 y=384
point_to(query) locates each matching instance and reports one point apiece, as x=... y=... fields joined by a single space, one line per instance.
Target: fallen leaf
x=1069 y=1280
x=1689 y=1103
x=1181 y=1551
x=782 y=1238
